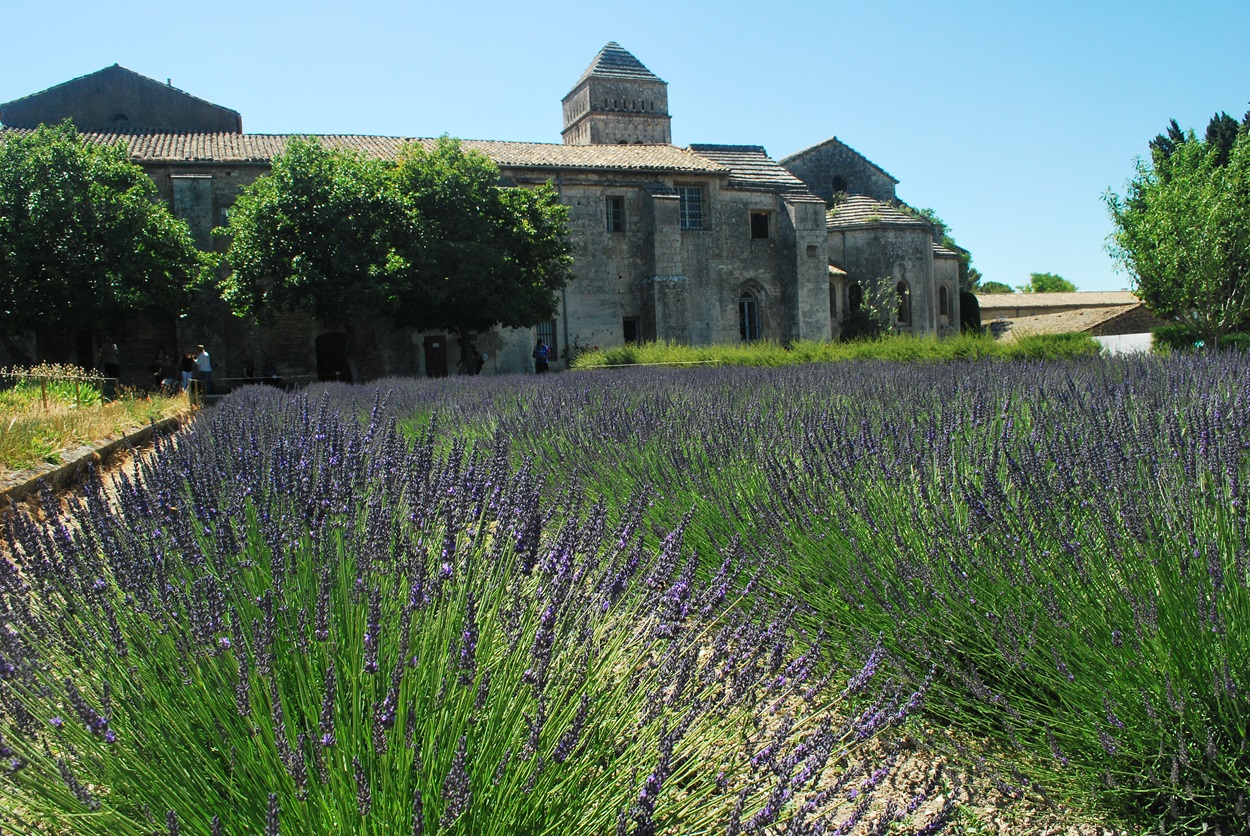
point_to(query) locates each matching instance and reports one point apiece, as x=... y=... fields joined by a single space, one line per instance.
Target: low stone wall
x=25 y=483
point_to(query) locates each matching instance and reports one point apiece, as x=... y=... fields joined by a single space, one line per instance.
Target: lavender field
x=701 y=601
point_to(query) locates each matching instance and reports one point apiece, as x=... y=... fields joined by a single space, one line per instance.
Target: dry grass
x=39 y=424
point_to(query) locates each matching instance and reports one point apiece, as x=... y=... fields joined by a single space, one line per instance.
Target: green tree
x=485 y=255
x=83 y=240
x=994 y=287
x=432 y=241
x=1183 y=234
x=1047 y=283
x=318 y=233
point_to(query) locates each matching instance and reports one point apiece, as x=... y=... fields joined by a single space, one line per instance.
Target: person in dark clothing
x=541 y=355
x=110 y=359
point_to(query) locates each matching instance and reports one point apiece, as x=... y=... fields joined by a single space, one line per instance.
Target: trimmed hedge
x=900 y=347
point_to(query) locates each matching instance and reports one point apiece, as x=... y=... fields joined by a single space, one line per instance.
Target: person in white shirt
x=204 y=369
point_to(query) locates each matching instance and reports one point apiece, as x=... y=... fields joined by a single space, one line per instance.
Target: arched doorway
x=332 y=358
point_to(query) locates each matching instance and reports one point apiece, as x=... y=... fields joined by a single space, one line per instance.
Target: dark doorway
x=332 y=358
x=630 y=324
x=436 y=356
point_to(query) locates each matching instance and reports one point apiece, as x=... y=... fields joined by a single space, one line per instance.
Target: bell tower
x=617 y=101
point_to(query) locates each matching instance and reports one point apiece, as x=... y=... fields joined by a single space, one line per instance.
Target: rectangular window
x=691 y=206
x=759 y=224
x=547 y=333
x=616 y=214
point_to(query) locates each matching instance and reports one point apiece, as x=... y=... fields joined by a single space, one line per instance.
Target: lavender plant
x=1065 y=544
x=289 y=620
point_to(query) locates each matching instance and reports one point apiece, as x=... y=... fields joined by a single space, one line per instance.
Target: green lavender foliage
x=292 y=622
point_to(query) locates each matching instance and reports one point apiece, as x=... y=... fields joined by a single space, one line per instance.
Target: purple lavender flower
x=456 y=790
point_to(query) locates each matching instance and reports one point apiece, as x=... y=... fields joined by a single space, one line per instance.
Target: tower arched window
x=904 y=303
x=944 y=302
x=749 y=316
x=839 y=184
x=854 y=297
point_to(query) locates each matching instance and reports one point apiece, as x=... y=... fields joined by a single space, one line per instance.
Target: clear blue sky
x=1009 y=119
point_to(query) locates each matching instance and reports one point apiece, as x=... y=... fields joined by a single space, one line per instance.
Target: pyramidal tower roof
x=614 y=61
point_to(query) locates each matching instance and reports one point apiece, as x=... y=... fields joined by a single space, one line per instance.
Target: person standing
x=541 y=356
x=110 y=359
x=186 y=369
x=204 y=369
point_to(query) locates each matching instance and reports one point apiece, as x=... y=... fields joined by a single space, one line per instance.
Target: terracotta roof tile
x=1063 y=322
x=262 y=148
x=860 y=210
x=751 y=168
x=1085 y=299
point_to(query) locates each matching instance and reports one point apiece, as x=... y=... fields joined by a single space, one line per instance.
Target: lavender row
x=295 y=618
x=1065 y=543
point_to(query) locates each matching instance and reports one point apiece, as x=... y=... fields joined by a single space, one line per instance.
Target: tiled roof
x=835 y=270
x=614 y=61
x=1084 y=299
x=859 y=210
x=751 y=168
x=944 y=252
x=1064 y=322
x=262 y=148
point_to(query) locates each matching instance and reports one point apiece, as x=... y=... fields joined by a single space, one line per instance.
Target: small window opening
x=904 y=302
x=691 y=207
x=833 y=302
x=632 y=333
x=839 y=184
x=944 y=303
x=759 y=224
x=616 y=214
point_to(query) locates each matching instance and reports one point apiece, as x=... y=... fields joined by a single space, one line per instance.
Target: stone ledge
x=59 y=478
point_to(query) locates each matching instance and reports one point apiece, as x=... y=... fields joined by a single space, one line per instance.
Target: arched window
x=833 y=302
x=904 y=302
x=944 y=302
x=748 y=316
x=839 y=184
x=854 y=297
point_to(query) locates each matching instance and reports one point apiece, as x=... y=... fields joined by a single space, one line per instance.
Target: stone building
x=704 y=244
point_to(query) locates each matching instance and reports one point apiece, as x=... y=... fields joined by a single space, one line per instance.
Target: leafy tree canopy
x=1047 y=283
x=82 y=239
x=1183 y=233
x=994 y=287
x=433 y=240
x=319 y=232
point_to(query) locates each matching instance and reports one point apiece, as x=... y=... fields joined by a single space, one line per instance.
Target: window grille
x=691 y=206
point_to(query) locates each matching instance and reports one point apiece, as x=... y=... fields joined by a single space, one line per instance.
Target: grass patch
x=48 y=410
x=897 y=347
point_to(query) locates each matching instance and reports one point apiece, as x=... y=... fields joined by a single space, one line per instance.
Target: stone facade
x=706 y=244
